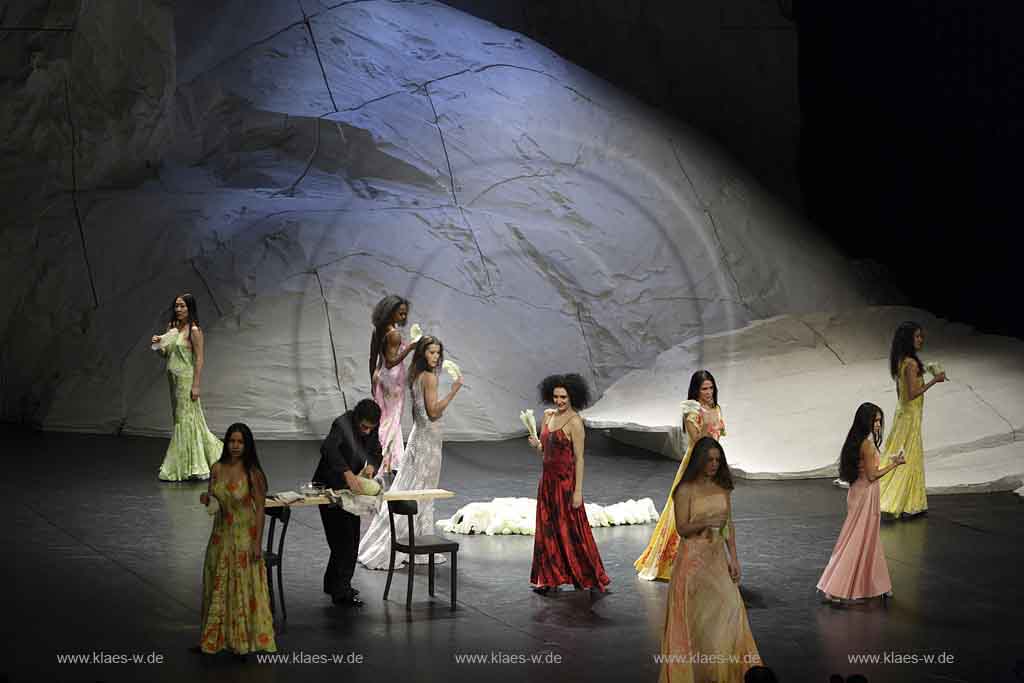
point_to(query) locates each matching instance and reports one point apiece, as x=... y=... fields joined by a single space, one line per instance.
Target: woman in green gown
x=193 y=447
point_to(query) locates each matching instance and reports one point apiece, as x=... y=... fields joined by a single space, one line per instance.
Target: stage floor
x=103 y=558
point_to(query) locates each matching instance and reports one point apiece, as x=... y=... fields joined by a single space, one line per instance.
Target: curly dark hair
x=574 y=385
x=862 y=428
x=698 y=378
x=903 y=347
x=699 y=458
x=382 y=315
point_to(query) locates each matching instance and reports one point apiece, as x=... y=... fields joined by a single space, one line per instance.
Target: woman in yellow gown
x=655 y=563
x=707 y=635
x=903 y=489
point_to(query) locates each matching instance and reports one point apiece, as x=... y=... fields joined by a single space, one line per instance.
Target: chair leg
x=455 y=574
x=280 y=589
x=270 y=592
x=430 y=579
x=391 y=572
x=412 y=570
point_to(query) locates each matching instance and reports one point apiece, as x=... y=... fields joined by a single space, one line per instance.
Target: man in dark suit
x=351 y=449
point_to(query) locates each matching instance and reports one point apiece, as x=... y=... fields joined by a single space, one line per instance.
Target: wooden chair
x=412 y=546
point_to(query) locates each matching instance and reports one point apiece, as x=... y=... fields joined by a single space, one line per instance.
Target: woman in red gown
x=564 y=551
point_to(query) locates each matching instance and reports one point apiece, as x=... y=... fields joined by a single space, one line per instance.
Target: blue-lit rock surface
x=289 y=163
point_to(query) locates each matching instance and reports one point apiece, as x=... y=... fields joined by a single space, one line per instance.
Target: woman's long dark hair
x=250 y=460
x=903 y=347
x=382 y=315
x=698 y=378
x=862 y=427
x=699 y=458
x=419 y=358
x=193 y=313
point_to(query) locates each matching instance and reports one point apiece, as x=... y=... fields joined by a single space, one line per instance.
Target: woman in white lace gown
x=421 y=463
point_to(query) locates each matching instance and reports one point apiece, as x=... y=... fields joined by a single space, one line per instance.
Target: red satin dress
x=564 y=551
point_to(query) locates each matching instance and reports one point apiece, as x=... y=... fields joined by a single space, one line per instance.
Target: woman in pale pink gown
x=387 y=375
x=857 y=569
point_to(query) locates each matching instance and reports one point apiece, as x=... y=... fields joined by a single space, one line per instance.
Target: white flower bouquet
x=453 y=370
x=690 y=406
x=529 y=421
x=165 y=340
x=934 y=368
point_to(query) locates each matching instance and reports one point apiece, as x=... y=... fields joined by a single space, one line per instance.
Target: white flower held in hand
x=165 y=339
x=690 y=406
x=415 y=332
x=452 y=369
x=934 y=368
x=526 y=417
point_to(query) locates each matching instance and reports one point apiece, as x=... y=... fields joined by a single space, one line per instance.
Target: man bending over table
x=352 y=447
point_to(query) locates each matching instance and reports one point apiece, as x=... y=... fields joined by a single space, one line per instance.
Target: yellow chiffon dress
x=903 y=489
x=655 y=563
x=707 y=634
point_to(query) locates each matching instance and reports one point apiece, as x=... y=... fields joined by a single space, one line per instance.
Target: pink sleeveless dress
x=857 y=568
x=390 y=396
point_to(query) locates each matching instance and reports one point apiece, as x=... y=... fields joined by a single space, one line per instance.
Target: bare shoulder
x=428 y=379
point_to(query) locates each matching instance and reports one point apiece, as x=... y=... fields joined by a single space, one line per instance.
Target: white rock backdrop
x=290 y=162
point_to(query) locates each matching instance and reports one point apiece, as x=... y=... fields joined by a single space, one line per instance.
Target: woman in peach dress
x=857 y=567
x=707 y=636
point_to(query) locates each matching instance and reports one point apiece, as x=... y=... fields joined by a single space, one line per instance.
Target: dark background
x=904 y=139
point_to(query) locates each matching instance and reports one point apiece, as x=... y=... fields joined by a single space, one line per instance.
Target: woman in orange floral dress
x=236 y=605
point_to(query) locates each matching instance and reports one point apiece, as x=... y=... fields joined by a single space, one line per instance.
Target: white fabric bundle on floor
x=518 y=516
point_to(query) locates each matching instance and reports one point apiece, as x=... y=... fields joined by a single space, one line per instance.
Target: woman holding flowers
x=564 y=551
x=702 y=416
x=903 y=489
x=857 y=568
x=707 y=636
x=422 y=459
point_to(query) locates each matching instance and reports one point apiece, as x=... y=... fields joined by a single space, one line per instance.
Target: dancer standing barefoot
x=903 y=490
x=857 y=567
x=563 y=545
x=707 y=635
x=422 y=460
x=655 y=563
x=387 y=374
x=236 y=604
x=193 y=447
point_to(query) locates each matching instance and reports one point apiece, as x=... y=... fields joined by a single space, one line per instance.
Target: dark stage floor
x=104 y=558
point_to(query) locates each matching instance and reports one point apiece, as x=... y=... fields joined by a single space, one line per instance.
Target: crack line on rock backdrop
x=74 y=191
x=714 y=227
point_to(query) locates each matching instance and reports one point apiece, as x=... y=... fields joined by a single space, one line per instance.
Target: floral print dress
x=236 y=604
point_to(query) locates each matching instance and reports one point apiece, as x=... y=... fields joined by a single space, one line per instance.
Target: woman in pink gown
x=387 y=375
x=857 y=569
